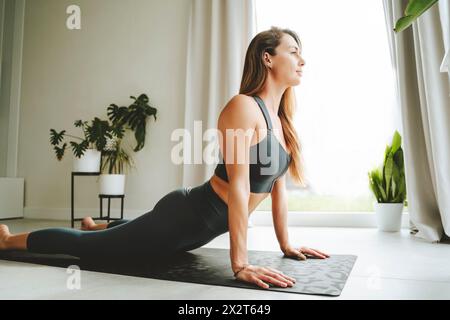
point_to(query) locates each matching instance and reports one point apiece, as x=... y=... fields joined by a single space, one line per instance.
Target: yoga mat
x=212 y=267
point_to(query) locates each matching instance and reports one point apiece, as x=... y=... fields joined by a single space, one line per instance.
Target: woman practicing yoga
x=188 y=218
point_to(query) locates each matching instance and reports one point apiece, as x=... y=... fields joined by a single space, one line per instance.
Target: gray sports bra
x=268 y=159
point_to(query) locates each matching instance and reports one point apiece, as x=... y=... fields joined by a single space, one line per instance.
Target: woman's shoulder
x=241 y=98
x=240 y=103
x=240 y=110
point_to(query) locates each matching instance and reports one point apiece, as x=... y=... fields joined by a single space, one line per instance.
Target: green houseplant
x=388 y=185
x=101 y=149
x=115 y=163
x=115 y=158
x=87 y=150
x=134 y=117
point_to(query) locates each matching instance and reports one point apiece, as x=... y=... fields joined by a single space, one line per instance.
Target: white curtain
x=424 y=103
x=219 y=34
x=444 y=12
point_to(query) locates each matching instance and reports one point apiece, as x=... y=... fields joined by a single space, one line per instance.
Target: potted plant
x=103 y=142
x=115 y=158
x=115 y=161
x=87 y=150
x=389 y=187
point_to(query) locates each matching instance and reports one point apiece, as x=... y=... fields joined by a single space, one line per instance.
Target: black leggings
x=182 y=220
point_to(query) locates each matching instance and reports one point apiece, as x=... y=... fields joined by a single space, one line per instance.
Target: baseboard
x=64 y=214
x=324 y=219
x=258 y=218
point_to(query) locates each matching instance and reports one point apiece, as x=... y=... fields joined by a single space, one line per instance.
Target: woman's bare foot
x=4 y=235
x=88 y=224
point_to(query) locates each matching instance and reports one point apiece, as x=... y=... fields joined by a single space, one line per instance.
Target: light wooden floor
x=389 y=266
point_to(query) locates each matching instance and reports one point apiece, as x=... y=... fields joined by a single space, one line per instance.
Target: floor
x=389 y=266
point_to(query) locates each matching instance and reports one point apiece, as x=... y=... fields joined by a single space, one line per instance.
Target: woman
x=188 y=218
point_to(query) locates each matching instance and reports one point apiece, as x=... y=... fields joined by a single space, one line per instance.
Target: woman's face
x=287 y=64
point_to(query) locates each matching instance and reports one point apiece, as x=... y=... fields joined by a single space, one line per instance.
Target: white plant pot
x=89 y=162
x=112 y=184
x=388 y=216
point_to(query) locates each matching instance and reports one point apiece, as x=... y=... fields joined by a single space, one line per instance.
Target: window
x=346 y=102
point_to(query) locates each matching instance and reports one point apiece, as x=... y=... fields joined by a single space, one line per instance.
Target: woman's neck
x=272 y=95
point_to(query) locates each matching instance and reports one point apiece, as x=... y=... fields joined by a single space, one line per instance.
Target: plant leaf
x=56 y=138
x=117 y=115
x=374 y=187
x=388 y=172
x=79 y=148
x=140 y=136
x=60 y=151
x=98 y=132
x=418 y=7
x=396 y=142
x=377 y=184
x=413 y=11
x=403 y=23
x=80 y=123
x=398 y=159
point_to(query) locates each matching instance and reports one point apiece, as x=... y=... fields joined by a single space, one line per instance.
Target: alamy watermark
x=374 y=279
x=73 y=22
x=203 y=148
x=74 y=279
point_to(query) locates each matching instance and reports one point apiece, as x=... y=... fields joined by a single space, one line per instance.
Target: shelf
x=101 y=196
x=85 y=173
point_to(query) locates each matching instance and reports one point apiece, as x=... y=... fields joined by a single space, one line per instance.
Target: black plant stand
x=101 y=196
x=108 y=217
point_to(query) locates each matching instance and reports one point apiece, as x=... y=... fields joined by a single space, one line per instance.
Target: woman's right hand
x=262 y=276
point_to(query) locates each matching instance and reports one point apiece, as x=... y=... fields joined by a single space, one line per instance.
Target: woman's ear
x=267 y=60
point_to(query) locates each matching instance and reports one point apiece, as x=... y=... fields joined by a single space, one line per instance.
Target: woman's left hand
x=302 y=252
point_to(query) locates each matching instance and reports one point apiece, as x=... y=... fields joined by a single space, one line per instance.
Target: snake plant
x=388 y=182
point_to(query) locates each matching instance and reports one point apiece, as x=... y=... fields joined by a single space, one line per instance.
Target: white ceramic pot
x=89 y=162
x=112 y=184
x=388 y=216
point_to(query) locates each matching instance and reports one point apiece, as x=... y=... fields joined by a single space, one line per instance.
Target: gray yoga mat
x=212 y=267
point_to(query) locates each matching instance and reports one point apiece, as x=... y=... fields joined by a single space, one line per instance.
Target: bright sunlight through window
x=346 y=111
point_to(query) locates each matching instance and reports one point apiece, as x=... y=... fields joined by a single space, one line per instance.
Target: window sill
x=324 y=219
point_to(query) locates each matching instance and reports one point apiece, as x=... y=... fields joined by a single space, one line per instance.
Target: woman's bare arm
x=280 y=212
x=239 y=118
x=237 y=125
x=279 y=215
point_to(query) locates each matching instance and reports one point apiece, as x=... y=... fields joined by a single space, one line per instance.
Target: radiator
x=11 y=198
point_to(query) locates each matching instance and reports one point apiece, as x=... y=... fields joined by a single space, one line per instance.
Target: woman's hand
x=262 y=276
x=302 y=252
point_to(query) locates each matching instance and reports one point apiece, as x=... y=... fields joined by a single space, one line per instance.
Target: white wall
x=6 y=42
x=124 y=47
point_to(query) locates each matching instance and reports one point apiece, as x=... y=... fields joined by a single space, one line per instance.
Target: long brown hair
x=253 y=79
